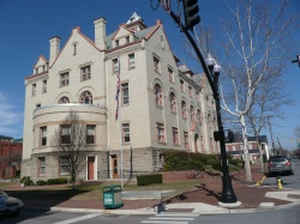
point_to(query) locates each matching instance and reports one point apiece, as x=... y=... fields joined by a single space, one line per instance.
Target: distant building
x=10 y=157
x=130 y=91
x=235 y=147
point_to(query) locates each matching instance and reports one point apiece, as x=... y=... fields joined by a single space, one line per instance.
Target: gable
x=122 y=33
x=77 y=49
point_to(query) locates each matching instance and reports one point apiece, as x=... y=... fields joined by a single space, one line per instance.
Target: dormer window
x=37 y=71
x=117 y=43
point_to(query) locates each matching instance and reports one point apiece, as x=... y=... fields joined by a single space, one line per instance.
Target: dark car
x=280 y=165
x=10 y=205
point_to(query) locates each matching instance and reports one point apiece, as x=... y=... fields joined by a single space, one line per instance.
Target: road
x=287 y=216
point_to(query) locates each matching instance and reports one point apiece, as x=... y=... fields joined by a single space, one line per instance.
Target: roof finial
x=135 y=17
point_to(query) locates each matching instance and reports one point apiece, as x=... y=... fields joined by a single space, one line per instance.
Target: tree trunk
x=246 y=154
x=261 y=159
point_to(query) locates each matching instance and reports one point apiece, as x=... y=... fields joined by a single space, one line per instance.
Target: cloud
x=10 y=118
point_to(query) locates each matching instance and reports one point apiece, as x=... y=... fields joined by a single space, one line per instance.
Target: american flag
x=118 y=92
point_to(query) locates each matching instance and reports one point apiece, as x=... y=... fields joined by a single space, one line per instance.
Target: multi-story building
x=235 y=147
x=10 y=157
x=131 y=92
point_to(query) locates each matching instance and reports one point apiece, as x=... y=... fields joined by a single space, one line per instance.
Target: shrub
x=41 y=182
x=57 y=181
x=179 y=160
x=149 y=179
x=26 y=180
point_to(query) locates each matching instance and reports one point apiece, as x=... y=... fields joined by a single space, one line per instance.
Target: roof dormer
x=40 y=66
x=135 y=23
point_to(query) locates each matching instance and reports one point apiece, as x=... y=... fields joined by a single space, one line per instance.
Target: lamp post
x=297 y=60
x=228 y=195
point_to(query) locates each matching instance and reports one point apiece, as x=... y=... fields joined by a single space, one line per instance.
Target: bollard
x=279 y=184
x=260 y=182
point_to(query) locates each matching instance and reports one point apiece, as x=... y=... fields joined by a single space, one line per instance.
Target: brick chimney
x=54 y=48
x=100 y=33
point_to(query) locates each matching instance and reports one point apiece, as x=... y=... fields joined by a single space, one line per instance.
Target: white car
x=9 y=205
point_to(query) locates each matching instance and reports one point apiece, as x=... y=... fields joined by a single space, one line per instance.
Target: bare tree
x=70 y=140
x=269 y=99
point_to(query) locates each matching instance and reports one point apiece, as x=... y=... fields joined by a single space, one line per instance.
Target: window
x=117 y=43
x=160 y=133
x=125 y=93
x=116 y=65
x=65 y=134
x=74 y=49
x=64 y=79
x=158 y=95
x=33 y=89
x=192 y=113
x=127 y=40
x=171 y=75
x=182 y=85
x=156 y=64
x=198 y=115
x=43 y=135
x=64 y=166
x=85 y=73
x=190 y=91
x=125 y=133
x=175 y=136
x=42 y=166
x=38 y=106
x=86 y=98
x=44 y=88
x=186 y=140
x=173 y=102
x=131 y=61
x=64 y=100
x=183 y=110
x=90 y=134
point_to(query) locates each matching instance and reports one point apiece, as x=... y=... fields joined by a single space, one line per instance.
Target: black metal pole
x=228 y=195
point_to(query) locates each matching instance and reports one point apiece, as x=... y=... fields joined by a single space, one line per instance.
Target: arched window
x=158 y=95
x=86 y=98
x=183 y=109
x=64 y=100
x=173 y=102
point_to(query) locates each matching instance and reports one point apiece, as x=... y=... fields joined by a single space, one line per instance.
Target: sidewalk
x=203 y=199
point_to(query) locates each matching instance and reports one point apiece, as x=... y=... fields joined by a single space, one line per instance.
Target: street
x=287 y=215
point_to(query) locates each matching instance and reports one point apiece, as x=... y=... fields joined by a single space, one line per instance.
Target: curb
x=150 y=211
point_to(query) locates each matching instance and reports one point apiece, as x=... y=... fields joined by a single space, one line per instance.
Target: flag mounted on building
x=118 y=87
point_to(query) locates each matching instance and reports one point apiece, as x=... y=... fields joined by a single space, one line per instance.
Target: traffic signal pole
x=228 y=195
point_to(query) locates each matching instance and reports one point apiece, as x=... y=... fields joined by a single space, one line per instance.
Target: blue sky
x=26 y=27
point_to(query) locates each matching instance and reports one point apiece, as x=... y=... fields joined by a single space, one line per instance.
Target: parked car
x=280 y=165
x=10 y=205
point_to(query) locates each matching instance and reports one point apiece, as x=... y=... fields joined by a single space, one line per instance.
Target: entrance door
x=91 y=161
x=114 y=162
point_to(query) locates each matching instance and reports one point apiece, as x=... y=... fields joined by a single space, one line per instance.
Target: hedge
x=175 y=160
x=57 y=181
x=149 y=179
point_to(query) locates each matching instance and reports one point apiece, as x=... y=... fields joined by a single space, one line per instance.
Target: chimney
x=54 y=48
x=100 y=33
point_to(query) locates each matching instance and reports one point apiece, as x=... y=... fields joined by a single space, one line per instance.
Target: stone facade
x=161 y=103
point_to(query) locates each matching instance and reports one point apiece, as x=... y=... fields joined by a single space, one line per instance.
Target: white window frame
x=85 y=73
x=126 y=138
x=131 y=61
x=125 y=93
x=64 y=79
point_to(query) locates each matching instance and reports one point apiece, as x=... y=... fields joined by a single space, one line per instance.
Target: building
x=235 y=147
x=10 y=157
x=131 y=92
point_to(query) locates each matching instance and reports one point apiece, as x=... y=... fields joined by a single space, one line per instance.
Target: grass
x=92 y=191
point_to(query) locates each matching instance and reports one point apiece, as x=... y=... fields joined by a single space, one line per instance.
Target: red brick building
x=10 y=157
x=235 y=148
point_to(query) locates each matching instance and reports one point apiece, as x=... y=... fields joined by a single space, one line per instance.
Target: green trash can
x=112 y=197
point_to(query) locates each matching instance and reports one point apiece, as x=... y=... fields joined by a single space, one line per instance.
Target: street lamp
x=297 y=60
x=228 y=195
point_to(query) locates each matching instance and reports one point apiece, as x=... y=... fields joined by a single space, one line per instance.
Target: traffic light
x=191 y=16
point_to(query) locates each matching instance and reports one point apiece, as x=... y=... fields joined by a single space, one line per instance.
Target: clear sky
x=27 y=25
